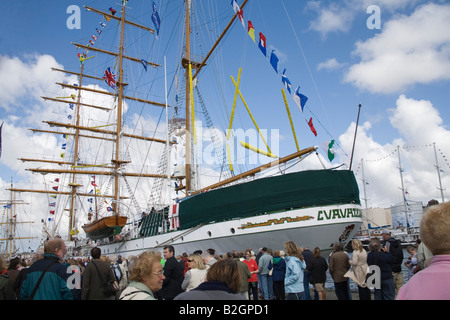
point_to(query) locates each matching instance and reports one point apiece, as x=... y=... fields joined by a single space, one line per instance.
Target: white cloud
x=332 y=19
x=330 y=65
x=27 y=78
x=410 y=50
x=387 y=5
x=419 y=125
x=338 y=16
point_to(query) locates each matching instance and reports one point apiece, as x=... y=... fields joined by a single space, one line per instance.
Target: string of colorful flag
x=299 y=98
x=407 y=148
x=97 y=192
x=109 y=76
x=52 y=204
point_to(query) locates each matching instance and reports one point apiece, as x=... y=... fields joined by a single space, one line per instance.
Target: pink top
x=432 y=283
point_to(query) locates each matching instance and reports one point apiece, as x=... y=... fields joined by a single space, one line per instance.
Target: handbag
x=109 y=287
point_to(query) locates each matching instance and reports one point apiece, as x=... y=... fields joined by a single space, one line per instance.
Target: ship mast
x=73 y=185
x=188 y=155
x=197 y=66
x=11 y=223
x=403 y=189
x=438 y=169
x=117 y=162
x=116 y=134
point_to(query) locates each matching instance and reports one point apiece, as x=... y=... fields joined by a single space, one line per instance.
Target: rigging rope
x=312 y=79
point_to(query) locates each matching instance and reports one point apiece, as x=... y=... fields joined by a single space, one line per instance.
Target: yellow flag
x=251 y=31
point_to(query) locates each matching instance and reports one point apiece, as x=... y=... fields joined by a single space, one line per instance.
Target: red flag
x=311 y=126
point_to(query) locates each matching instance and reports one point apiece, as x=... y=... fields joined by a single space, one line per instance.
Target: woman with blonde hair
x=146 y=277
x=358 y=271
x=295 y=264
x=196 y=273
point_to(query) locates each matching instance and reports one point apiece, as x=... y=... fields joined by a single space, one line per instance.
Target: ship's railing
x=154 y=223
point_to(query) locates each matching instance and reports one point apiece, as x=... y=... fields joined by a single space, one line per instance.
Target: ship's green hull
x=283 y=192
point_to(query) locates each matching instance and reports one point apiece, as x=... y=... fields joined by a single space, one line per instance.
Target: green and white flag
x=329 y=148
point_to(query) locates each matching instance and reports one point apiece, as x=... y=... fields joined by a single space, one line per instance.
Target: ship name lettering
x=339 y=214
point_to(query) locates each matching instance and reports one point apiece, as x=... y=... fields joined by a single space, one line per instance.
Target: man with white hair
x=208 y=258
x=47 y=278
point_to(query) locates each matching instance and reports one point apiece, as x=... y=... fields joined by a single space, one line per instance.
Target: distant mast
x=438 y=169
x=403 y=188
x=11 y=223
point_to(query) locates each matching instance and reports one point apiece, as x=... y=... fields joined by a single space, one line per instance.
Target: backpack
x=117 y=272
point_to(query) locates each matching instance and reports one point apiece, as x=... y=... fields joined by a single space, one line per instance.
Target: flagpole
x=354 y=139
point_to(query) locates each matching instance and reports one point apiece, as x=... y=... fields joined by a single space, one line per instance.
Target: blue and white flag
x=144 y=63
x=300 y=99
x=287 y=84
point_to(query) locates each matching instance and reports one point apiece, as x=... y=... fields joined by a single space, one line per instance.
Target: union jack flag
x=110 y=78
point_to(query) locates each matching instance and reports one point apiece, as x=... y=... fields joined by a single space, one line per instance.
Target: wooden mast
x=188 y=155
x=197 y=66
x=60 y=192
x=117 y=134
x=11 y=224
x=117 y=162
x=73 y=185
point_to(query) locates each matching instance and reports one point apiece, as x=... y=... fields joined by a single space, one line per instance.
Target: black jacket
x=395 y=249
x=318 y=268
x=173 y=273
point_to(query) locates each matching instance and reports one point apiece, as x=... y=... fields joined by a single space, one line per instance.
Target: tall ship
x=131 y=183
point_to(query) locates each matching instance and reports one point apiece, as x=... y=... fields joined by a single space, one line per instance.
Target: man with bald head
x=47 y=277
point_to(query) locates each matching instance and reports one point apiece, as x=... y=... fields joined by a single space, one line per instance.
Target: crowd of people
x=287 y=274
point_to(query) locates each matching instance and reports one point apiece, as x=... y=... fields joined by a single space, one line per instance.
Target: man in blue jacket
x=53 y=285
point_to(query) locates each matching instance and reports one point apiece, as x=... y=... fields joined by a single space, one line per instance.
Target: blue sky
x=399 y=73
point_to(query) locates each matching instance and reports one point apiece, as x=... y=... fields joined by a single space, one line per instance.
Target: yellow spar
x=290 y=118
